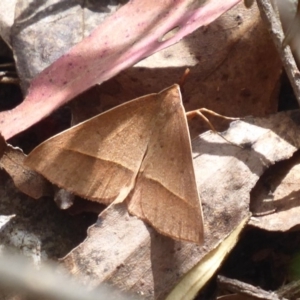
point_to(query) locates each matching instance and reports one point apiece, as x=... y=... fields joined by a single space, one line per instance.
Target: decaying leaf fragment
x=139 y=151
x=25 y=179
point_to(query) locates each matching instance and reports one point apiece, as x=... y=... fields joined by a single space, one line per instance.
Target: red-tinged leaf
x=134 y=32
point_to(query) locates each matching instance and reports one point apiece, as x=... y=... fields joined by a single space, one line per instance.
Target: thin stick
x=9 y=80
x=243 y=288
x=7 y=65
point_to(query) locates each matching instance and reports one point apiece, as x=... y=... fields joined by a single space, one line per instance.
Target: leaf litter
x=264 y=155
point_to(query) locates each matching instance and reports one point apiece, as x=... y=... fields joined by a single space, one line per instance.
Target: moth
x=138 y=152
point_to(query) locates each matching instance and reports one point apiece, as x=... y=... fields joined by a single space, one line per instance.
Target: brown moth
x=139 y=151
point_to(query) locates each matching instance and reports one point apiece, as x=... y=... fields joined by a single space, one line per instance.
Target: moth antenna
x=183 y=78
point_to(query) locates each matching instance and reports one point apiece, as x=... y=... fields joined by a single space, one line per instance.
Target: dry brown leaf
x=234 y=71
x=26 y=180
x=123 y=251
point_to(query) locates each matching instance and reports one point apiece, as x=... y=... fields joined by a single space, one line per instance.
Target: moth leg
x=199 y=112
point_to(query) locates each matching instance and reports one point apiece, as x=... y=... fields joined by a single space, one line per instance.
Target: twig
x=240 y=287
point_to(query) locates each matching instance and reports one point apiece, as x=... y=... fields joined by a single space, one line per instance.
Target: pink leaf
x=134 y=32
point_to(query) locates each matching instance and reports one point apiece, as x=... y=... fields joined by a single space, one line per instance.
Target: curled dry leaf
x=26 y=180
x=150 y=264
x=109 y=49
x=275 y=199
